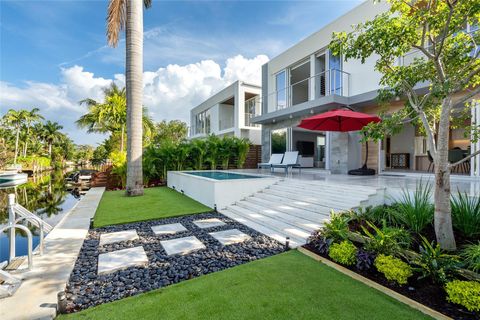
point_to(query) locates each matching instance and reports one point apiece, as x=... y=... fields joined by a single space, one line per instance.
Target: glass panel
x=281 y=90
x=279 y=141
x=335 y=65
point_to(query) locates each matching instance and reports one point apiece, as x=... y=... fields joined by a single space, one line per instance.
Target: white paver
x=209 y=223
x=121 y=259
x=231 y=236
x=112 y=237
x=168 y=228
x=182 y=245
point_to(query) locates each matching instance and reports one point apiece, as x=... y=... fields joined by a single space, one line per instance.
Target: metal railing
x=329 y=82
x=248 y=120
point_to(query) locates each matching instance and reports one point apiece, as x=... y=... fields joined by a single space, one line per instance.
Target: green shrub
x=378 y=214
x=388 y=240
x=466 y=215
x=337 y=227
x=464 y=293
x=119 y=165
x=433 y=263
x=471 y=256
x=344 y=253
x=393 y=268
x=415 y=212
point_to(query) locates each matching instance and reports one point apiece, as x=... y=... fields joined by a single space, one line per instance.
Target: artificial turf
x=286 y=286
x=156 y=203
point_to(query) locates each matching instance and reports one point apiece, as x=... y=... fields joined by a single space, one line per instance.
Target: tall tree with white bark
x=427 y=52
x=128 y=15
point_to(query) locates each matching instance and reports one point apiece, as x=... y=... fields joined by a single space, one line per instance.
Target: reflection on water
x=44 y=195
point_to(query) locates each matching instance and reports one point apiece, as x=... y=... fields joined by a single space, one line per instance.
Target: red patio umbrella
x=342 y=121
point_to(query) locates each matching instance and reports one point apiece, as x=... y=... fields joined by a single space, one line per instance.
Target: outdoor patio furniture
x=290 y=160
x=275 y=158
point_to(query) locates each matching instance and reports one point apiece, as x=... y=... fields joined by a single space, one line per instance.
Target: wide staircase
x=295 y=208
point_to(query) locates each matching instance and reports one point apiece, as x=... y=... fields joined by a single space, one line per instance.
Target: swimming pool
x=215 y=188
x=222 y=175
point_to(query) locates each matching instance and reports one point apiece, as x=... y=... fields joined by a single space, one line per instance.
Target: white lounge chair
x=276 y=158
x=290 y=160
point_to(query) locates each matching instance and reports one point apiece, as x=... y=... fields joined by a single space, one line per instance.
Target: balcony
x=329 y=82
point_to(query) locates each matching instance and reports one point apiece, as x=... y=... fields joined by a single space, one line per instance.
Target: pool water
x=222 y=175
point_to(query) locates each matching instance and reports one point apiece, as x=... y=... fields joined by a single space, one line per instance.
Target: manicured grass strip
x=156 y=203
x=286 y=286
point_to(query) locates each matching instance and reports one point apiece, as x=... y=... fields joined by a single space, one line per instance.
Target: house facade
x=307 y=79
x=229 y=112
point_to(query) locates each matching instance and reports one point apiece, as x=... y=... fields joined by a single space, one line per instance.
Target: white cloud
x=169 y=92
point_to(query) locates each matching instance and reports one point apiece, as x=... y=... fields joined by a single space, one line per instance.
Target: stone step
x=295 y=221
x=328 y=203
x=295 y=203
x=333 y=186
x=339 y=195
x=285 y=229
x=274 y=234
x=311 y=215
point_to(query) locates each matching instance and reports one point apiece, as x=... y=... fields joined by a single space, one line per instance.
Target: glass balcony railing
x=329 y=82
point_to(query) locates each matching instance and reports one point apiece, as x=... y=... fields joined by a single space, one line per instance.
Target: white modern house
x=229 y=112
x=307 y=79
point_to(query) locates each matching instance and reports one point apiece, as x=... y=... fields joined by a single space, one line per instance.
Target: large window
x=202 y=122
x=281 y=87
x=279 y=141
x=335 y=67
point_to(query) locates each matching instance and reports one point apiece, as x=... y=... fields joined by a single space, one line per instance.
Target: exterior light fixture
x=287 y=243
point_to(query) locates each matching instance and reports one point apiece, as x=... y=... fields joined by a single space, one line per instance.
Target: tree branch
x=445 y=30
x=451 y=165
x=467 y=97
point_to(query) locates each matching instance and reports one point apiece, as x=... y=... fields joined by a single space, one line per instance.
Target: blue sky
x=53 y=53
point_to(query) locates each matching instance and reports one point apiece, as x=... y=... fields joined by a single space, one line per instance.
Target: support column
x=327 y=150
x=312 y=89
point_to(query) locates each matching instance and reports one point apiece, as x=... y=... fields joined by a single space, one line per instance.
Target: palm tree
x=128 y=15
x=52 y=134
x=31 y=117
x=16 y=118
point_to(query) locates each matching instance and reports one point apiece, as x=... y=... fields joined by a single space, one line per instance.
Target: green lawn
x=156 y=203
x=286 y=286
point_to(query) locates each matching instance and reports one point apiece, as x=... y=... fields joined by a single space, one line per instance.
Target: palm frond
x=115 y=20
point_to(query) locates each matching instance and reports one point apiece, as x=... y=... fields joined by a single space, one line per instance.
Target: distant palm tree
x=32 y=116
x=128 y=15
x=52 y=134
x=16 y=118
x=111 y=114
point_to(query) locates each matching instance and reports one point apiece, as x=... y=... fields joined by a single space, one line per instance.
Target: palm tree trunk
x=134 y=86
x=443 y=217
x=16 y=145
x=26 y=142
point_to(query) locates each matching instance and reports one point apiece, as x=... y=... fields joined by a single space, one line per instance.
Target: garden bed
x=422 y=291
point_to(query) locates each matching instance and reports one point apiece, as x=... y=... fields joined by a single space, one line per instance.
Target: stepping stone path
x=168 y=228
x=112 y=237
x=121 y=259
x=209 y=223
x=182 y=245
x=230 y=236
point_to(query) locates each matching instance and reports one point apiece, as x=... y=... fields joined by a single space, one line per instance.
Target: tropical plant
x=119 y=165
x=393 y=268
x=226 y=151
x=433 y=263
x=174 y=131
x=319 y=242
x=198 y=149
x=416 y=211
x=128 y=15
x=31 y=117
x=242 y=147
x=337 y=228
x=471 y=256
x=386 y=240
x=466 y=215
x=52 y=134
x=16 y=118
x=344 y=253
x=213 y=151
x=464 y=293
x=376 y=214
x=446 y=58
x=365 y=260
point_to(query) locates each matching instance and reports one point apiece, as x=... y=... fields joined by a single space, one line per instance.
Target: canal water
x=45 y=195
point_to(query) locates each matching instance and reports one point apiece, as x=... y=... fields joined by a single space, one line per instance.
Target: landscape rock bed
x=86 y=289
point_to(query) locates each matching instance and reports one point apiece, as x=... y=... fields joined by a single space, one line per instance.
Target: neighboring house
x=307 y=79
x=229 y=112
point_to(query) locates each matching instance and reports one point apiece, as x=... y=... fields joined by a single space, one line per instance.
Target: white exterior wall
x=224 y=112
x=363 y=78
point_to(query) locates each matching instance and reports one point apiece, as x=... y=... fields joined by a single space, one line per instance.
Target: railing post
x=11 y=223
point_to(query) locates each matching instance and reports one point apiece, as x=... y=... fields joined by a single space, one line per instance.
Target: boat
x=11 y=175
